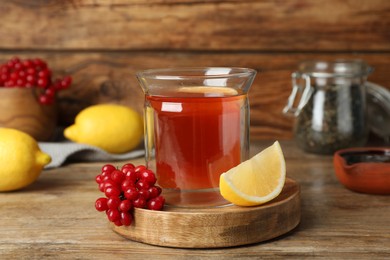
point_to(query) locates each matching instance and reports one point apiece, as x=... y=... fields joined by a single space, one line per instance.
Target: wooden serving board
x=216 y=227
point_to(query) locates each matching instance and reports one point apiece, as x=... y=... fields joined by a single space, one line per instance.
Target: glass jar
x=331 y=111
x=378 y=105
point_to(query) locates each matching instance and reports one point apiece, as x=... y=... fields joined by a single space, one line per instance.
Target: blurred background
x=103 y=43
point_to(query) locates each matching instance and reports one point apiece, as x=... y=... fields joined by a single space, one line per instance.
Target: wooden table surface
x=55 y=218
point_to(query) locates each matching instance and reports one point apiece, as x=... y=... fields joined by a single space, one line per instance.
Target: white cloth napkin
x=60 y=152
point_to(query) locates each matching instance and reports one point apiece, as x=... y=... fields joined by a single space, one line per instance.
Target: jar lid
x=378 y=105
x=337 y=68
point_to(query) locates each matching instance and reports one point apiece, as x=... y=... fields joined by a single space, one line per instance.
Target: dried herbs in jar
x=331 y=114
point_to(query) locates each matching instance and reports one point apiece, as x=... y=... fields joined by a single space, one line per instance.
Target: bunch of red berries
x=125 y=189
x=31 y=73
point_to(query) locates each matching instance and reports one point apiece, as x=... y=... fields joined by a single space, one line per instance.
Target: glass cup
x=196 y=128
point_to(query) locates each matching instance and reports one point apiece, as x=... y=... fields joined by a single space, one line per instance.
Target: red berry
x=126 y=218
x=154 y=191
x=127 y=183
x=125 y=206
x=113 y=215
x=101 y=204
x=131 y=174
x=31 y=79
x=22 y=74
x=14 y=76
x=144 y=193
x=45 y=73
x=109 y=183
x=140 y=168
x=101 y=186
x=45 y=100
x=113 y=202
x=4 y=69
x=10 y=63
x=42 y=82
x=142 y=184
x=125 y=170
x=65 y=82
x=117 y=176
x=31 y=71
x=112 y=191
x=27 y=63
x=50 y=92
x=20 y=82
x=98 y=179
x=40 y=64
x=18 y=65
x=10 y=83
x=4 y=77
x=139 y=203
x=131 y=193
x=148 y=176
x=108 y=168
x=118 y=223
x=156 y=203
x=106 y=176
x=128 y=165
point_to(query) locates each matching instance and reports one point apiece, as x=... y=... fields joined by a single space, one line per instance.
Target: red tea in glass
x=192 y=135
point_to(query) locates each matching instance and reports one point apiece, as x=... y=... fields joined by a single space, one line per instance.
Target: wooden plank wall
x=102 y=44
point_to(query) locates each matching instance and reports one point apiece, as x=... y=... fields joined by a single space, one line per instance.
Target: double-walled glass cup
x=196 y=128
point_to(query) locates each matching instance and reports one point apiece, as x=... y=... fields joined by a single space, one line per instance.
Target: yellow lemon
x=113 y=128
x=257 y=180
x=21 y=159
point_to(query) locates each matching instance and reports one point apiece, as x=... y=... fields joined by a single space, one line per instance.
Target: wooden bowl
x=364 y=170
x=21 y=110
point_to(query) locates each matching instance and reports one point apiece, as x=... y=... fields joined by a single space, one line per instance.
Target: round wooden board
x=216 y=227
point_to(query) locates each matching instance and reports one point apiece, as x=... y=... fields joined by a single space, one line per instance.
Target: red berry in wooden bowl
x=30 y=73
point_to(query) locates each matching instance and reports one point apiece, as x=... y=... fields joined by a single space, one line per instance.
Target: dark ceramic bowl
x=364 y=170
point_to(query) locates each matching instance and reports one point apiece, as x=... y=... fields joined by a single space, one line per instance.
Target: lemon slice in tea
x=215 y=91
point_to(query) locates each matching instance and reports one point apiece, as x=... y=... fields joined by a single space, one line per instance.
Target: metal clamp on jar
x=331 y=111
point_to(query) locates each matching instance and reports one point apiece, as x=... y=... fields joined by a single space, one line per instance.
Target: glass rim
x=184 y=73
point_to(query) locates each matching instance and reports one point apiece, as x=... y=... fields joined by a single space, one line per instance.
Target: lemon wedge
x=257 y=180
